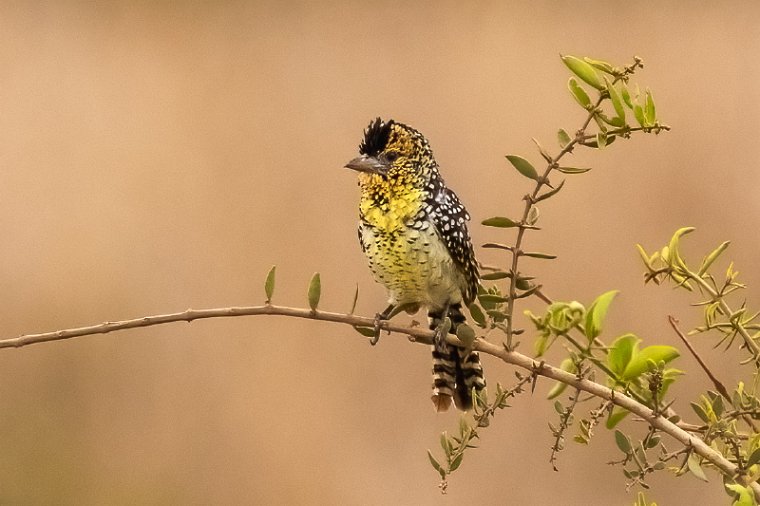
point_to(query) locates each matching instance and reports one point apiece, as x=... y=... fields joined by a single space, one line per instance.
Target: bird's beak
x=366 y=163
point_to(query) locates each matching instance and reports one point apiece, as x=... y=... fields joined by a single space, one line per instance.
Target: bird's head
x=391 y=151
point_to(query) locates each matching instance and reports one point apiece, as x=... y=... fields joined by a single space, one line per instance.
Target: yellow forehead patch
x=399 y=140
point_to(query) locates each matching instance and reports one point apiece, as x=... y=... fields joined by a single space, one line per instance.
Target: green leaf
x=315 y=291
x=645 y=256
x=600 y=64
x=551 y=192
x=436 y=465
x=622 y=442
x=497 y=245
x=753 y=459
x=621 y=352
x=594 y=143
x=743 y=495
x=446 y=444
x=541 y=344
x=616 y=416
x=523 y=283
x=573 y=170
x=712 y=257
x=567 y=365
x=365 y=331
x=493 y=299
x=615 y=121
x=523 y=166
x=464 y=427
x=466 y=334
x=638 y=112
x=455 y=462
x=533 y=215
x=599 y=117
x=596 y=314
x=674 y=247
x=601 y=140
x=700 y=411
x=580 y=439
x=650 y=112
x=493 y=276
x=695 y=467
x=640 y=362
x=583 y=70
x=617 y=103
x=477 y=315
x=718 y=406
x=269 y=284
x=626 y=96
x=536 y=254
x=499 y=221
x=356 y=298
x=563 y=138
x=653 y=441
x=579 y=93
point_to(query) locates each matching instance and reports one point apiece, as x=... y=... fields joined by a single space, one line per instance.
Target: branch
x=658 y=422
x=199 y=314
x=715 y=381
x=419 y=335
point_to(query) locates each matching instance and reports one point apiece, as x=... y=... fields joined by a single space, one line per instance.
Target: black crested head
x=375 y=137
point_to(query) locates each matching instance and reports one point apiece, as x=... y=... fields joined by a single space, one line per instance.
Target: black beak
x=366 y=163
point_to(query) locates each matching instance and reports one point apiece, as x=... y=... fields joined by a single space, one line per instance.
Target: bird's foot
x=379 y=318
x=439 y=338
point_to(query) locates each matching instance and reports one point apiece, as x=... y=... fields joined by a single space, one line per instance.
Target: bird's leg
x=379 y=317
x=441 y=327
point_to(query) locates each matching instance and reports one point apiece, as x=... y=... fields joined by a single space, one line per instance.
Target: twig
x=715 y=381
x=564 y=424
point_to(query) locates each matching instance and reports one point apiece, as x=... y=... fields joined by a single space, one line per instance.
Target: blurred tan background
x=156 y=156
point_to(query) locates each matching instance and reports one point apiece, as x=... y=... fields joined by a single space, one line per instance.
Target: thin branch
x=564 y=424
x=715 y=381
x=530 y=201
x=419 y=335
x=199 y=314
x=719 y=386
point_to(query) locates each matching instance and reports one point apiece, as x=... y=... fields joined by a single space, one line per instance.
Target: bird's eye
x=391 y=156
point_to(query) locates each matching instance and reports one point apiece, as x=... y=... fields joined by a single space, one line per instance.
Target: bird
x=413 y=231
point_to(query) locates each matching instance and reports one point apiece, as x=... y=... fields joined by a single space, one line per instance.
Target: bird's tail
x=456 y=370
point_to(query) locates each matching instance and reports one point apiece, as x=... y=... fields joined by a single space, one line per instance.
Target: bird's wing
x=450 y=219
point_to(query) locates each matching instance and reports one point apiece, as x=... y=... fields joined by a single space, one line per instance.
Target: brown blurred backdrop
x=156 y=156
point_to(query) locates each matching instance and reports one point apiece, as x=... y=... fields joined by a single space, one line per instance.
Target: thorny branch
x=580 y=138
x=418 y=335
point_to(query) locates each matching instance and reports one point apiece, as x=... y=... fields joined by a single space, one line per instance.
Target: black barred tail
x=456 y=371
x=444 y=377
x=469 y=376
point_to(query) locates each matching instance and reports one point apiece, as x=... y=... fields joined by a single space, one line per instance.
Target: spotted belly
x=413 y=264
